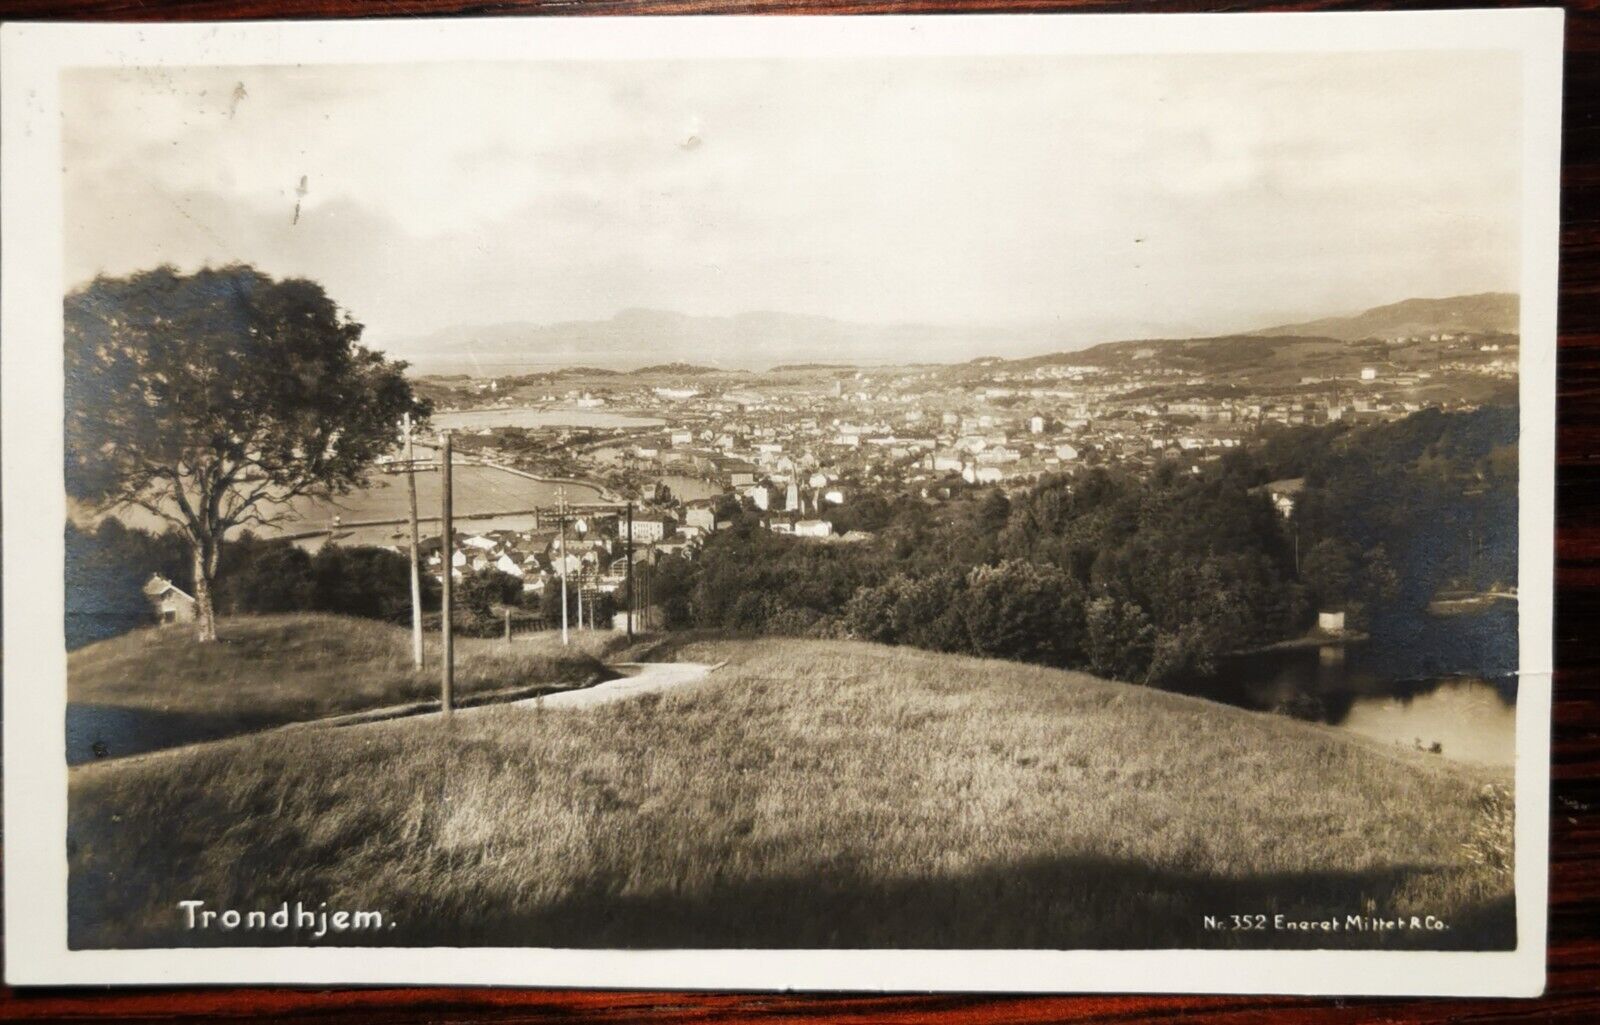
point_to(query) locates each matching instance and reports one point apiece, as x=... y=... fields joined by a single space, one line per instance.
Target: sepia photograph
x=865 y=495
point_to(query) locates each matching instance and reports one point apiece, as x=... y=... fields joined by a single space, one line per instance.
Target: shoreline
x=1299 y=643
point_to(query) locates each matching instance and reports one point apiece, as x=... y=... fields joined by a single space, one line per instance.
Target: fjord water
x=527 y=416
x=1448 y=681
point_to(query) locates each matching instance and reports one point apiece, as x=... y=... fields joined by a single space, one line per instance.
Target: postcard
x=1025 y=503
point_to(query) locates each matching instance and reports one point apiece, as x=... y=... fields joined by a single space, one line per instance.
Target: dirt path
x=640 y=678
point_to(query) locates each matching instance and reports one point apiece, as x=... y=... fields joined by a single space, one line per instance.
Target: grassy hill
x=157 y=688
x=1282 y=363
x=810 y=794
x=1486 y=312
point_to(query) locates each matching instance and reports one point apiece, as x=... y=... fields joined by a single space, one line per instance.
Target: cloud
x=933 y=189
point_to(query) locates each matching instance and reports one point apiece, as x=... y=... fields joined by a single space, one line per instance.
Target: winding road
x=639 y=678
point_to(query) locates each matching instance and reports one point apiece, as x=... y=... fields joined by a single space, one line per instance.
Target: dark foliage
x=106 y=570
x=212 y=399
x=1150 y=577
x=600 y=606
x=108 y=567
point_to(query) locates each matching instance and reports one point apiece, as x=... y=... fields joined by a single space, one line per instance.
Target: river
x=1448 y=681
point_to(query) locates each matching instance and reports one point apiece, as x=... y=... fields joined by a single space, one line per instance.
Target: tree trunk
x=205 y=615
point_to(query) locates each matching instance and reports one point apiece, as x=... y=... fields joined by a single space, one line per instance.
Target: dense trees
x=108 y=566
x=1151 y=577
x=1015 y=609
x=751 y=577
x=359 y=581
x=481 y=590
x=597 y=607
x=260 y=576
x=106 y=570
x=212 y=399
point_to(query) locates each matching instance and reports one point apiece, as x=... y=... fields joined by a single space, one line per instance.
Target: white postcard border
x=31 y=286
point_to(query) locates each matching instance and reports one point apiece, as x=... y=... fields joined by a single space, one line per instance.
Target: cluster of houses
x=595 y=546
x=593 y=549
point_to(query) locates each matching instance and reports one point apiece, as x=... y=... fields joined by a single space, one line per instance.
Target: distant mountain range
x=660 y=341
x=752 y=341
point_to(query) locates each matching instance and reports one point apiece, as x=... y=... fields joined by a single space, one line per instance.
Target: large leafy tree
x=213 y=399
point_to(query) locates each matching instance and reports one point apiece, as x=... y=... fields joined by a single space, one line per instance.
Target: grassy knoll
x=809 y=794
x=157 y=687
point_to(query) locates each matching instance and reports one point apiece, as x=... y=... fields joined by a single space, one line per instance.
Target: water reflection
x=1440 y=684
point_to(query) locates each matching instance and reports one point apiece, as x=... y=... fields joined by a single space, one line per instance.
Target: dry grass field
x=811 y=794
x=270 y=670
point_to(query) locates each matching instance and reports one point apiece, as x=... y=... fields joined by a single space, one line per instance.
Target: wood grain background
x=1573 y=996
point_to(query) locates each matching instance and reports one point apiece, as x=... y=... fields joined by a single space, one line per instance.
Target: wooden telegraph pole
x=631 y=603
x=416 y=556
x=447 y=553
x=644 y=589
x=561 y=504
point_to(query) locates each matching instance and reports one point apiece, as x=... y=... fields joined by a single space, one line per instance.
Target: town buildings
x=798 y=449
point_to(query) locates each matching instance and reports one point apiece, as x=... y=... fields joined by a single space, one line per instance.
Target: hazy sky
x=1120 y=196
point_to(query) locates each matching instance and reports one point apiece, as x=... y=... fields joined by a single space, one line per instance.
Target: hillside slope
x=1222 y=356
x=1486 y=313
x=156 y=687
x=812 y=794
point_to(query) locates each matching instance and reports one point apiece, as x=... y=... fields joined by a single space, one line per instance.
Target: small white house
x=172 y=603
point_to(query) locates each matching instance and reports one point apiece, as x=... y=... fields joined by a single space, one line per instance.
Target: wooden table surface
x=1573 y=994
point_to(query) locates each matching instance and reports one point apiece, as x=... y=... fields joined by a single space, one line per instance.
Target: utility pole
x=561 y=505
x=447 y=552
x=416 y=557
x=631 y=605
x=644 y=586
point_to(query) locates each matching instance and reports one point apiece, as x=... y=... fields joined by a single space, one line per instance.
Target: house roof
x=159 y=585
